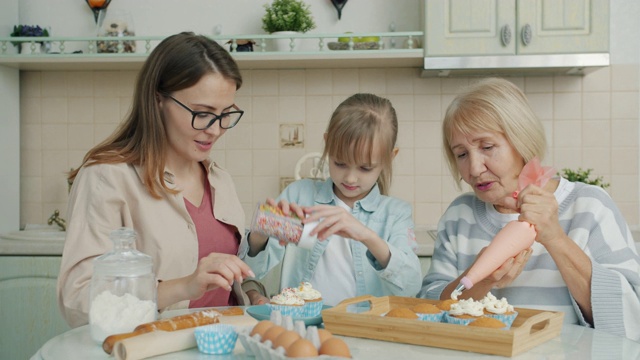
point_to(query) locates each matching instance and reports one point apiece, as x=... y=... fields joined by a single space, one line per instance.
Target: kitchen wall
x=591 y=121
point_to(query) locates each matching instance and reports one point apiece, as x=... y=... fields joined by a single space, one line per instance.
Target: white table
x=575 y=342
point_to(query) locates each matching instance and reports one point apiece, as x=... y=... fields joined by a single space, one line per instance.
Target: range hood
x=514 y=65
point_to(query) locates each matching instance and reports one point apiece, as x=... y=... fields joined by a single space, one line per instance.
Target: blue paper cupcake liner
x=287 y=310
x=458 y=321
x=431 y=317
x=218 y=339
x=312 y=309
x=507 y=319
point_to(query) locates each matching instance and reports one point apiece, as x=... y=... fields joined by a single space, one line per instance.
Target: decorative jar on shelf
x=117 y=23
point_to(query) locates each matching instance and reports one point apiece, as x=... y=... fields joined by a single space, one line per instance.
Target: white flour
x=111 y=314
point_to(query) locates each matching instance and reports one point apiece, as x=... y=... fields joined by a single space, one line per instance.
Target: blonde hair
x=177 y=63
x=358 y=124
x=498 y=106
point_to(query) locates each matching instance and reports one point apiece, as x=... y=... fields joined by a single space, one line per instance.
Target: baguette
x=205 y=317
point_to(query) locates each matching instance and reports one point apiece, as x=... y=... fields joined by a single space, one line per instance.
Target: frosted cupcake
x=312 y=299
x=288 y=303
x=464 y=311
x=428 y=312
x=499 y=309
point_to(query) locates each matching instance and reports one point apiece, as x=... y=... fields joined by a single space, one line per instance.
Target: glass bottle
x=123 y=288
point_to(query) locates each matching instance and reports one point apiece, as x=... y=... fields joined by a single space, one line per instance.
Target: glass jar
x=116 y=23
x=123 y=288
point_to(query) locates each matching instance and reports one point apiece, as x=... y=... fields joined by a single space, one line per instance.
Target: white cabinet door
x=469 y=27
x=515 y=27
x=563 y=26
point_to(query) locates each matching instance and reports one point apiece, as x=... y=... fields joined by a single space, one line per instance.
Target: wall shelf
x=61 y=58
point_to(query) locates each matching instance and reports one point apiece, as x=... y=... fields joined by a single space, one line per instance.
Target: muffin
x=404 y=313
x=445 y=305
x=464 y=311
x=312 y=299
x=499 y=309
x=428 y=312
x=288 y=303
x=488 y=322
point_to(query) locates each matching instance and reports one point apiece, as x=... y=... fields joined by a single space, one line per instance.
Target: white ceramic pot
x=25 y=48
x=284 y=45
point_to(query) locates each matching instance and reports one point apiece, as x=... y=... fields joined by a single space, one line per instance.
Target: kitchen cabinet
x=28 y=304
x=515 y=27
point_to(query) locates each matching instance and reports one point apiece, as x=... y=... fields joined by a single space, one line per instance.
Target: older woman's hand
x=540 y=208
x=509 y=271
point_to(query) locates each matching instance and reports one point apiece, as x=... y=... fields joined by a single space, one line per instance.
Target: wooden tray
x=530 y=328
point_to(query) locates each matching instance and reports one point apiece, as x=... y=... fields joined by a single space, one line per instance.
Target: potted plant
x=28 y=31
x=287 y=16
x=583 y=176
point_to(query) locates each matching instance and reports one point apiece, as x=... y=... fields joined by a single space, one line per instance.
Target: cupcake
x=404 y=313
x=428 y=312
x=216 y=339
x=464 y=311
x=312 y=299
x=499 y=309
x=488 y=322
x=288 y=303
x=445 y=305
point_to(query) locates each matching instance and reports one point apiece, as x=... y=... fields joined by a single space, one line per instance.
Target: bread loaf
x=200 y=318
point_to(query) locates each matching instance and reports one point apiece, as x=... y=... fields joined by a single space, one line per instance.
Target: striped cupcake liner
x=218 y=339
x=287 y=310
x=312 y=309
x=431 y=317
x=458 y=321
x=507 y=319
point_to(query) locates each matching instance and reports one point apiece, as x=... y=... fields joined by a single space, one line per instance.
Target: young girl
x=365 y=237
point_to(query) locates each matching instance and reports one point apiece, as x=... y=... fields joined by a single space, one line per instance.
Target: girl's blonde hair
x=358 y=124
x=177 y=63
x=498 y=106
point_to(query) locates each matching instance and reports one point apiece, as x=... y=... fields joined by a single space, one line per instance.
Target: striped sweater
x=590 y=217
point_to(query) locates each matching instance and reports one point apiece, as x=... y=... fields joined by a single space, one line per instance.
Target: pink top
x=213 y=236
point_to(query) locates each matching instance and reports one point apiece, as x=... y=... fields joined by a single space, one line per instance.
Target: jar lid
x=124 y=260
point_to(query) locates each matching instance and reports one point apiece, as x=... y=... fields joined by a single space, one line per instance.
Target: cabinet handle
x=526 y=34
x=505 y=35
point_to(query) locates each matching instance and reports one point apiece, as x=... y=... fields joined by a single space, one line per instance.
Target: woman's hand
x=540 y=208
x=509 y=271
x=216 y=271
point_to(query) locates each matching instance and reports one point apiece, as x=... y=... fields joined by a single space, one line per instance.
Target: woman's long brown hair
x=177 y=63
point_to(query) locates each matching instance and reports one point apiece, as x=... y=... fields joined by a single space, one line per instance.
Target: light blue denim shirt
x=389 y=217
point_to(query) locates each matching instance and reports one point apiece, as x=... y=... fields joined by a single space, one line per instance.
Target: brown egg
x=302 y=348
x=261 y=327
x=272 y=333
x=324 y=335
x=285 y=339
x=335 y=347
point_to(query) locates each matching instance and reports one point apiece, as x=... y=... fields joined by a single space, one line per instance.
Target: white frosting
x=495 y=306
x=455 y=294
x=288 y=296
x=307 y=292
x=468 y=307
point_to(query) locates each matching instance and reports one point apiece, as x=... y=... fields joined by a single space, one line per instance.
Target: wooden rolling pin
x=200 y=318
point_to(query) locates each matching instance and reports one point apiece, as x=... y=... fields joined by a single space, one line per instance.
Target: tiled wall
x=591 y=122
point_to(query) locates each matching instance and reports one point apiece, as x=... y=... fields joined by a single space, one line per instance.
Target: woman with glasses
x=153 y=174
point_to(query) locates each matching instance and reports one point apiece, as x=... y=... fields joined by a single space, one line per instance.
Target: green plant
x=287 y=15
x=583 y=176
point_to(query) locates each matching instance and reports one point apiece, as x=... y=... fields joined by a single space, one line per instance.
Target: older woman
x=583 y=261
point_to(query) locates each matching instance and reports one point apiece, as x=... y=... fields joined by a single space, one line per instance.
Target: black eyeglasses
x=202 y=120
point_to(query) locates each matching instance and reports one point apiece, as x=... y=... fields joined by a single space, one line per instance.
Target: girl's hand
x=216 y=271
x=336 y=220
x=287 y=209
x=540 y=208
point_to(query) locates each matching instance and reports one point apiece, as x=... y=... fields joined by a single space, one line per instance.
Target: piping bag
x=515 y=237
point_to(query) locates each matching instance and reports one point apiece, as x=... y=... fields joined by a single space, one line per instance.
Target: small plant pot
x=284 y=45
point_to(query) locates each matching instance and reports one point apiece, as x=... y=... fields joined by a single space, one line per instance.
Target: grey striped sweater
x=590 y=217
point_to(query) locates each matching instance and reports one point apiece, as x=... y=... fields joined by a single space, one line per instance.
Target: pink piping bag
x=514 y=237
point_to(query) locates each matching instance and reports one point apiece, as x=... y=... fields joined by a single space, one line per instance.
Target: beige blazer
x=108 y=196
